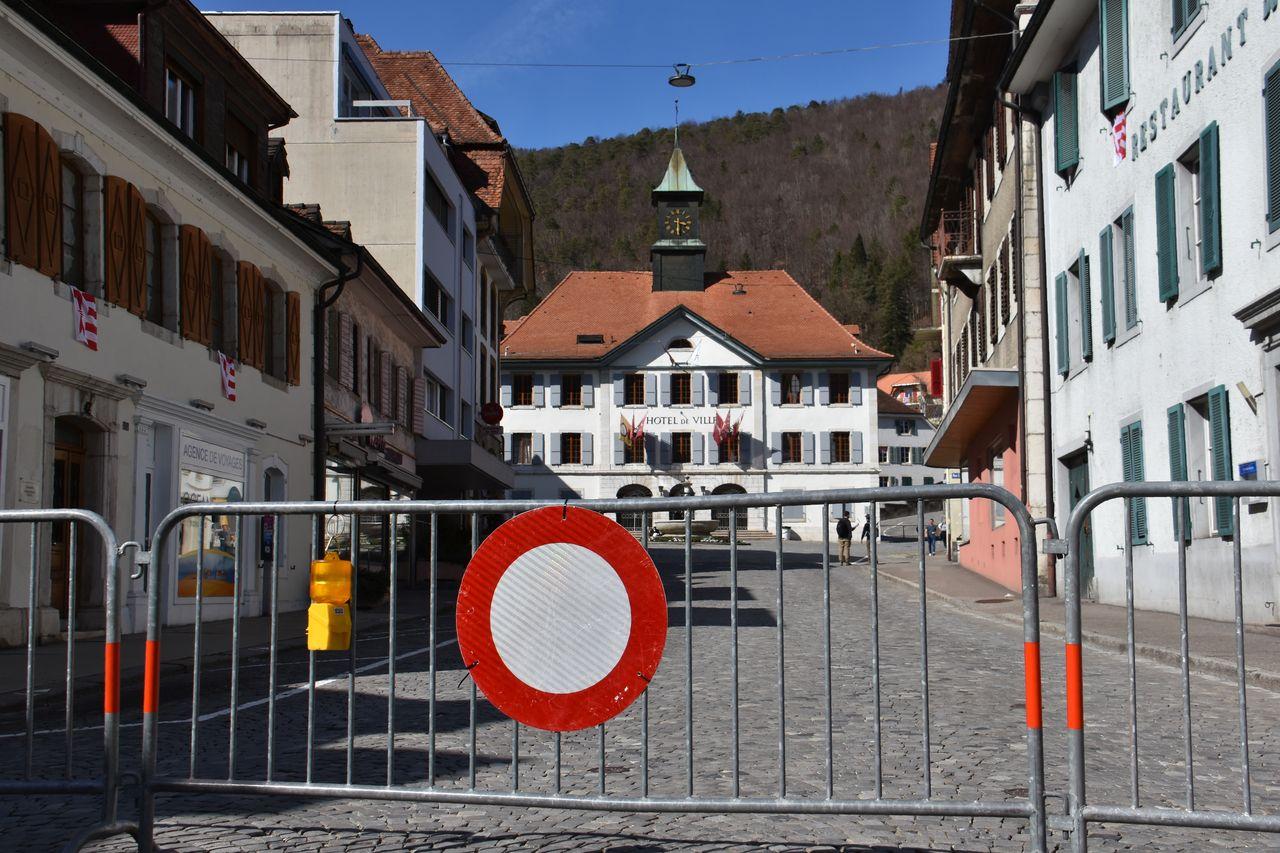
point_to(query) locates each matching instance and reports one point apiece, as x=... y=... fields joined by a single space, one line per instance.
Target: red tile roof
x=890 y=380
x=887 y=404
x=775 y=316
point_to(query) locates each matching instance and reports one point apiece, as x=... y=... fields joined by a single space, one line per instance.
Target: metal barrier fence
x=1226 y=497
x=43 y=770
x=562 y=765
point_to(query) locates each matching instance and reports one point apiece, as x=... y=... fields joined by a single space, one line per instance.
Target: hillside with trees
x=831 y=192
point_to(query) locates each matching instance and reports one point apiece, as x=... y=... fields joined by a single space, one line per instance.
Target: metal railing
x=673 y=690
x=1081 y=812
x=51 y=761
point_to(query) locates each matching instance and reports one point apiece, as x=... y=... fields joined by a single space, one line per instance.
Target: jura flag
x=1119 y=139
x=228 y=367
x=86 y=316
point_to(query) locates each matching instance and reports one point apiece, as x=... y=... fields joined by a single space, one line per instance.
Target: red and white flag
x=86 y=316
x=1119 y=138
x=228 y=368
x=721 y=429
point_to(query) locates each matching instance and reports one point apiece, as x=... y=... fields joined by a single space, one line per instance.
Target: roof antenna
x=677 y=122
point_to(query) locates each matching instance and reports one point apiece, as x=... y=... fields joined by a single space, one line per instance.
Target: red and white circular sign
x=561 y=618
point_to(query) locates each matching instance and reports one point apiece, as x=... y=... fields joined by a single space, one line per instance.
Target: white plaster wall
x=1194 y=344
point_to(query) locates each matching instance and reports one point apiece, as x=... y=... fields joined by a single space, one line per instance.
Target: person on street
x=931 y=533
x=844 y=533
x=866 y=534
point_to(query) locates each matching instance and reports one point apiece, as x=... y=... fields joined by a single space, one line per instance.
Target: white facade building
x=904 y=435
x=1164 y=307
x=608 y=350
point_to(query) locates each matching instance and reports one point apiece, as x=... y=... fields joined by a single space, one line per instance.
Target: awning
x=453 y=466
x=984 y=394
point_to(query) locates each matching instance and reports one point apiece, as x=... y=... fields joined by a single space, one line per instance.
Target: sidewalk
x=1158 y=635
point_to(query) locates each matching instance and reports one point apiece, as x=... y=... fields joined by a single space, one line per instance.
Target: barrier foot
x=102 y=830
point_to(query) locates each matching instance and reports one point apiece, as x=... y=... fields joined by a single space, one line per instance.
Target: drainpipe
x=318 y=337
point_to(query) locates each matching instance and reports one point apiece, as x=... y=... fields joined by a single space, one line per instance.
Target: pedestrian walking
x=942 y=532
x=931 y=533
x=844 y=533
x=866 y=534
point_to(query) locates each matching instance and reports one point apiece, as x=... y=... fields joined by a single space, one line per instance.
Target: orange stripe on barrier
x=1075 y=687
x=111 y=679
x=1031 y=667
x=151 y=679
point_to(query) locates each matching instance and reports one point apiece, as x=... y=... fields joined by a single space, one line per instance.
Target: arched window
x=680 y=343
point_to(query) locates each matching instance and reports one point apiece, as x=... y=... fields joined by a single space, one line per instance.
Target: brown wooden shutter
x=419 y=412
x=33 y=183
x=346 y=359
x=402 y=402
x=196 y=284
x=115 y=193
x=384 y=384
x=251 y=291
x=136 y=240
x=293 y=335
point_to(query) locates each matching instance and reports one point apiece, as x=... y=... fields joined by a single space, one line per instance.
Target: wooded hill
x=831 y=192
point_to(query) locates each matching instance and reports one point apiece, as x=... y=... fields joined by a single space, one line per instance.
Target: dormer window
x=180 y=101
x=239 y=145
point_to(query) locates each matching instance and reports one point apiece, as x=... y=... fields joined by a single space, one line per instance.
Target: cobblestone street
x=977 y=735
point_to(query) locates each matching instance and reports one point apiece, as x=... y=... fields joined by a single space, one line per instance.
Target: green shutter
x=1134 y=471
x=1210 y=203
x=1166 y=234
x=1086 y=309
x=1064 y=343
x=1184 y=12
x=1066 y=121
x=1178 y=466
x=1220 y=437
x=1130 y=271
x=1113 y=16
x=1271 y=110
x=1105 y=278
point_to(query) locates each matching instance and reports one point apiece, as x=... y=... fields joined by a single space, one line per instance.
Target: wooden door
x=68 y=492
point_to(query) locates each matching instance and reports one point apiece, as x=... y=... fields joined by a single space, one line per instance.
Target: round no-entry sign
x=561 y=618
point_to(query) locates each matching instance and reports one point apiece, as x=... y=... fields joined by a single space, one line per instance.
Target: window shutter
x=713 y=389
x=664 y=382
x=1114 y=40
x=619 y=390
x=293 y=340
x=807 y=447
x=1178 y=465
x=1086 y=309
x=1183 y=13
x=664 y=449
x=555 y=448
x=506 y=443
x=1166 y=234
x=650 y=390
x=824 y=448
x=855 y=447
x=1106 y=270
x=136 y=238
x=1271 y=111
x=806 y=390
x=619 y=451
x=1130 y=272
x=1064 y=343
x=855 y=387
x=347 y=367
x=1220 y=436
x=49 y=204
x=249 y=288
x=124 y=220
x=824 y=388
x=696 y=441
x=539 y=391
x=1133 y=471
x=402 y=402
x=775 y=448
x=1066 y=121
x=1210 y=203
x=22 y=189
x=588 y=390
x=420 y=412
x=775 y=389
x=744 y=388
x=556 y=391
x=384 y=383
x=537 y=449
x=713 y=452
x=195 y=262
x=588 y=449
x=695 y=388
x=505 y=392
x=651 y=449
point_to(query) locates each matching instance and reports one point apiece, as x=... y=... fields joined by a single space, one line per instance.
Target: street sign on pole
x=561 y=618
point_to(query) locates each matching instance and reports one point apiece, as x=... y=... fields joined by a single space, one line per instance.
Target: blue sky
x=548 y=106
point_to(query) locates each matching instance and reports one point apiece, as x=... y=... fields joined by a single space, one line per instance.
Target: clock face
x=679 y=222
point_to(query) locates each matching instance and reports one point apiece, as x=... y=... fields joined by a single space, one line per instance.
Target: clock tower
x=679 y=257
